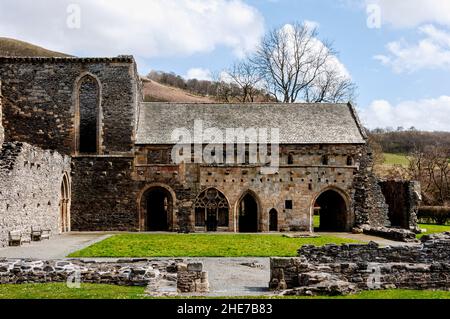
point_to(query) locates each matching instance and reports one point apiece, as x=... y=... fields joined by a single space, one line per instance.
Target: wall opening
x=64 y=206
x=159 y=207
x=273 y=220
x=88 y=139
x=211 y=210
x=248 y=214
x=332 y=212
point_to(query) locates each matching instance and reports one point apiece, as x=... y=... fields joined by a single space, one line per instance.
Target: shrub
x=438 y=214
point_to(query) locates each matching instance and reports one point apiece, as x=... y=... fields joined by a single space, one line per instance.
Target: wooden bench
x=38 y=234
x=16 y=238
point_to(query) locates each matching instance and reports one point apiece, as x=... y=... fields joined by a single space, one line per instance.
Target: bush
x=438 y=214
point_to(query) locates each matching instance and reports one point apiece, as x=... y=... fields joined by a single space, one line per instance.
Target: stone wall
x=347 y=268
x=103 y=194
x=162 y=277
x=30 y=189
x=2 y=130
x=369 y=203
x=41 y=95
x=300 y=182
x=403 y=199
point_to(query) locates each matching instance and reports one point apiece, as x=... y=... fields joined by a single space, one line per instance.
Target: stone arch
x=248 y=219
x=64 y=205
x=164 y=198
x=212 y=209
x=88 y=114
x=333 y=206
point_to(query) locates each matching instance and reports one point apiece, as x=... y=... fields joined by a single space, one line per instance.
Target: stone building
x=109 y=157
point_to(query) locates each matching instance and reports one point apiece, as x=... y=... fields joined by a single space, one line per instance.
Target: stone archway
x=64 y=205
x=333 y=210
x=156 y=208
x=248 y=214
x=211 y=210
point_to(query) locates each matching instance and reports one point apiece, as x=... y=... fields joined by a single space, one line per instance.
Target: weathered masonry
x=123 y=176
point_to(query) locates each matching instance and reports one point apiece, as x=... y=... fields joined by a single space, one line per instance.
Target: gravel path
x=57 y=247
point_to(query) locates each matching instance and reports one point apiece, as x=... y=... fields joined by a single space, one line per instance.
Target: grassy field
x=202 y=245
x=61 y=291
x=395 y=159
x=97 y=291
x=433 y=228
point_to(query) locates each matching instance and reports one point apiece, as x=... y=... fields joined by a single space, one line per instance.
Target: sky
x=396 y=51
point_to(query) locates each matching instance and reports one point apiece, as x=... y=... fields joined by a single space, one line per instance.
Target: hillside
x=156 y=92
x=12 y=47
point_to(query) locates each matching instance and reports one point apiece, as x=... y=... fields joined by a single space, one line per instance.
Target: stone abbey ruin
x=81 y=151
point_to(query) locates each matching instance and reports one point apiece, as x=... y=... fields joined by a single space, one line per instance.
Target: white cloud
x=431 y=52
x=316 y=46
x=412 y=13
x=425 y=114
x=141 y=27
x=199 y=74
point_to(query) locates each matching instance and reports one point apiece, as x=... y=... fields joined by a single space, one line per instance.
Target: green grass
x=395 y=159
x=390 y=294
x=202 y=245
x=61 y=291
x=98 y=291
x=433 y=228
x=316 y=221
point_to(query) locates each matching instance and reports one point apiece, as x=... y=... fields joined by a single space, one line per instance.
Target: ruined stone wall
x=162 y=277
x=403 y=199
x=30 y=189
x=40 y=97
x=103 y=194
x=349 y=268
x=369 y=203
x=2 y=130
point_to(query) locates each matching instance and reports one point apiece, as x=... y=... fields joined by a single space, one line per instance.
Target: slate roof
x=298 y=123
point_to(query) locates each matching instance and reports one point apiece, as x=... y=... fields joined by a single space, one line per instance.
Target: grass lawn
x=433 y=228
x=97 y=291
x=395 y=159
x=202 y=245
x=61 y=291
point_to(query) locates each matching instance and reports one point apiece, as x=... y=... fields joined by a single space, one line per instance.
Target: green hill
x=12 y=47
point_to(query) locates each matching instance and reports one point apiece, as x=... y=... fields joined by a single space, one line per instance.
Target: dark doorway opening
x=248 y=215
x=89 y=97
x=159 y=206
x=273 y=220
x=331 y=208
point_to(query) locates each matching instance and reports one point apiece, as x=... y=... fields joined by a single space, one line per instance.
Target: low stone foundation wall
x=162 y=277
x=333 y=270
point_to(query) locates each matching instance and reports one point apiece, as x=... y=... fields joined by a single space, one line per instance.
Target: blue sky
x=402 y=68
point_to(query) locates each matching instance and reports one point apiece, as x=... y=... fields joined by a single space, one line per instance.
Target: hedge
x=438 y=214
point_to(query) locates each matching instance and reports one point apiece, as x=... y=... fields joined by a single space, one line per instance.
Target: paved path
x=56 y=247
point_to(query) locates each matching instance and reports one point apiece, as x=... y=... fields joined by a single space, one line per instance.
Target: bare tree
x=246 y=77
x=296 y=65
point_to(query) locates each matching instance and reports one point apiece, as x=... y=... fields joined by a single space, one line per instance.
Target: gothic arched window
x=211 y=209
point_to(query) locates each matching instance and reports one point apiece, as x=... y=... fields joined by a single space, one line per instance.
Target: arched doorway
x=248 y=214
x=158 y=205
x=211 y=210
x=64 y=205
x=332 y=210
x=273 y=220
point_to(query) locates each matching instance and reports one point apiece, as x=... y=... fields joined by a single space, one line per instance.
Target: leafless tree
x=246 y=77
x=295 y=65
